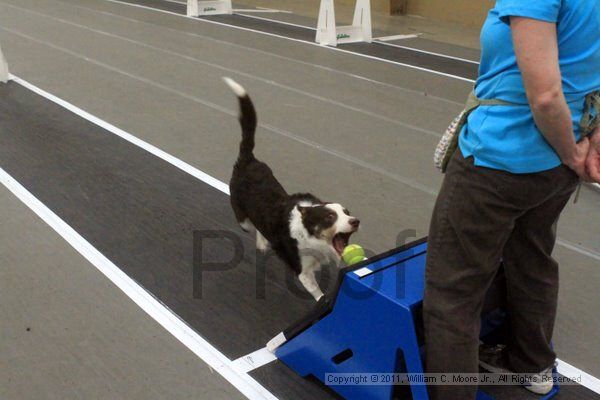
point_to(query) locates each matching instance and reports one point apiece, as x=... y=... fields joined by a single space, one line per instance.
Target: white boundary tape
x=276 y=21
x=266 y=53
x=272 y=10
x=380 y=40
x=465 y=60
x=216 y=66
x=587 y=380
x=235 y=10
x=460 y=78
x=573 y=247
x=259 y=10
x=254 y=360
x=398 y=37
x=165 y=317
x=217 y=184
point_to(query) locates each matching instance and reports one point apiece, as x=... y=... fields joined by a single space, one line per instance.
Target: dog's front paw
x=262 y=244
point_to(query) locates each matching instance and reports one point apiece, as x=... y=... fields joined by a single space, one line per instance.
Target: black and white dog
x=301 y=229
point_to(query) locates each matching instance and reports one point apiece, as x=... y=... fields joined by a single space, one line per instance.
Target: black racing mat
x=141 y=212
x=379 y=50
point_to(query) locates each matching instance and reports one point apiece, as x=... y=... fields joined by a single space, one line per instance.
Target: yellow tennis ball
x=353 y=254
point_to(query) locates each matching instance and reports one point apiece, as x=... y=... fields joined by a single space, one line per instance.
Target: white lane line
x=147 y=302
x=254 y=360
x=566 y=369
x=263 y=52
x=401 y=179
x=379 y=41
x=204 y=177
x=281 y=22
x=235 y=372
x=185 y=334
x=573 y=373
x=382 y=40
x=281 y=11
x=257 y=9
x=279 y=131
x=374 y=168
x=422 y=69
x=579 y=249
x=398 y=37
x=235 y=71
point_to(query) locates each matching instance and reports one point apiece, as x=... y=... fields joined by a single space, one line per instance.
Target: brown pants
x=483 y=216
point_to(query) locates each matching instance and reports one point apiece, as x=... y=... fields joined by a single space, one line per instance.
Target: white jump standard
x=198 y=8
x=328 y=34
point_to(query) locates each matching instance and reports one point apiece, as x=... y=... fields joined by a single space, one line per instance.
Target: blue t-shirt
x=506 y=137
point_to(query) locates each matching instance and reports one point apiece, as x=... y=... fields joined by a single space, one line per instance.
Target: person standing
x=506 y=185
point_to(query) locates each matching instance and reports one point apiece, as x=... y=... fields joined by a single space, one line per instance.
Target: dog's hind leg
x=262 y=244
x=308 y=279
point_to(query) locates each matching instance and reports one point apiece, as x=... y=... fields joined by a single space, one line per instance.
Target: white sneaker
x=493 y=359
x=542 y=382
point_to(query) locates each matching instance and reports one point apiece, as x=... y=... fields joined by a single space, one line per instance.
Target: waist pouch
x=449 y=141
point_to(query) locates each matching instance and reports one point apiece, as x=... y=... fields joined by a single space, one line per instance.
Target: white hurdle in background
x=3 y=68
x=197 y=8
x=328 y=34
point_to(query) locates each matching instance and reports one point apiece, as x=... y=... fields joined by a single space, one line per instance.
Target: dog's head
x=331 y=223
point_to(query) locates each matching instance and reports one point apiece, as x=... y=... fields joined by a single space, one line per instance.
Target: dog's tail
x=247 y=119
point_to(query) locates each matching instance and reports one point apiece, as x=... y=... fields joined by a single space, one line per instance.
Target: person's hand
x=592 y=162
x=577 y=159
